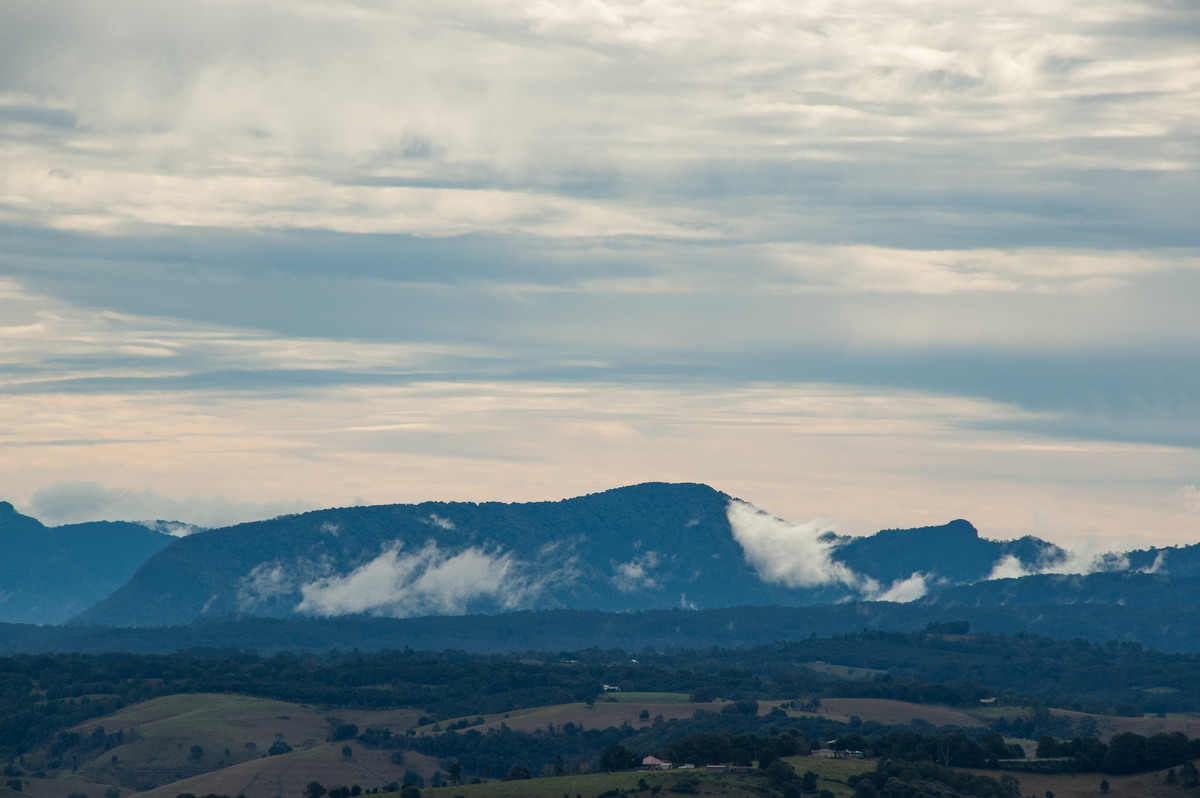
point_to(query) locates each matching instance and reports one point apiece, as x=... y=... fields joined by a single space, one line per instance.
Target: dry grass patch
x=287 y=774
x=1087 y=785
x=1108 y=725
x=889 y=712
x=728 y=785
x=600 y=716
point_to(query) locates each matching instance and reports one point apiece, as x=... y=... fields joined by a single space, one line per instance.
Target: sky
x=870 y=264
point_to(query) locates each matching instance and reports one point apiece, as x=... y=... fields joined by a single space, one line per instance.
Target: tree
x=781 y=773
x=517 y=773
x=865 y=789
x=1188 y=775
x=618 y=757
x=347 y=752
x=456 y=771
x=1165 y=749
x=314 y=789
x=808 y=782
x=1126 y=753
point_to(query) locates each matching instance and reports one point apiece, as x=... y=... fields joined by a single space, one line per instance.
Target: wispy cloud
x=428 y=581
x=636 y=574
x=72 y=502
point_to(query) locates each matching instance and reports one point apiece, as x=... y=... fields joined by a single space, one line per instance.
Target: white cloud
x=264 y=584
x=74 y=502
x=1008 y=567
x=430 y=581
x=177 y=529
x=1188 y=497
x=1082 y=562
x=904 y=590
x=795 y=555
x=637 y=574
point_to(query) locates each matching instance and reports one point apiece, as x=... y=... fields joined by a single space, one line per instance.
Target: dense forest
x=1168 y=629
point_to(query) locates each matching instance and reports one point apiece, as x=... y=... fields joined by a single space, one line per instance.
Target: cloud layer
x=927 y=260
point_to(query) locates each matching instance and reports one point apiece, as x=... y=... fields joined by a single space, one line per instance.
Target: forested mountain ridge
x=49 y=574
x=638 y=548
x=641 y=547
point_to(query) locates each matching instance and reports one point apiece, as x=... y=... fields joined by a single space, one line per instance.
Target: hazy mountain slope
x=1125 y=588
x=633 y=548
x=49 y=574
x=953 y=553
x=646 y=545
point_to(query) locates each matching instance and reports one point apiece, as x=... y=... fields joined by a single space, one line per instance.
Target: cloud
x=75 y=502
x=1188 y=497
x=177 y=529
x=904 y=590
x=949 y=255
x=1009 y=567
x=1081 y=563
x=637 y=574
x=430 y=581
x=795 y=555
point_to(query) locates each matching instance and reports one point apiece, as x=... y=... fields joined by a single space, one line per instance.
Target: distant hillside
x=647 y=546
x=1119 y=589
x=49 y=574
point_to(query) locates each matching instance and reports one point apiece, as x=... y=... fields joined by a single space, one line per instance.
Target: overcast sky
x=883 y=263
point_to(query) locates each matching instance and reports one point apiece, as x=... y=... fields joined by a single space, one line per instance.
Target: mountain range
x=50 y=574
x=643 y=547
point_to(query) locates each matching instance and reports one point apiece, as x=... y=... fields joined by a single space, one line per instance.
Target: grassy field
x=287 y=774
x=1087 y=785
x=843 y=671
x=600 y=716
x=831 y=773
x=204 y=743
x=887 y=712
x=1108 y=725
